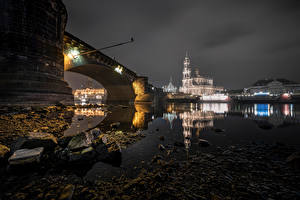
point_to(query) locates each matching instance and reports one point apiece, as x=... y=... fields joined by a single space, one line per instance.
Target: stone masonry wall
x=31 y=52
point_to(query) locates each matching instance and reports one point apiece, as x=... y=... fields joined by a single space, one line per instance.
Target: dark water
x=221 y=124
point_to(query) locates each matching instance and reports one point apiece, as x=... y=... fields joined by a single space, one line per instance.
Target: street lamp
x=73 y=54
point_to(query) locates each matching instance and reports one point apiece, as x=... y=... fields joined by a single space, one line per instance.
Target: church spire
x=186 y=61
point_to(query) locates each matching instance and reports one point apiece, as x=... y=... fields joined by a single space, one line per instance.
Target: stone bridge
x=122 y=84
x=35 y=51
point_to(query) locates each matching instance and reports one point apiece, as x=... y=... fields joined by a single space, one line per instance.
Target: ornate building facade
x=196 y=84
x=170 y=87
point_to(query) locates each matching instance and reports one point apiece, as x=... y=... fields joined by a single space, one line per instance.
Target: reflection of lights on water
x=89 y=112
x=218 y=108
x=170 y=117
x=287 y=109
x=138 y=120
x=215 y=97
x=262 y=110
x=267 y=110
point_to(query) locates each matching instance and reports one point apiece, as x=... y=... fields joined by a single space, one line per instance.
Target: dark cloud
x=225 y=35
x=236 y=42
x=289 y=45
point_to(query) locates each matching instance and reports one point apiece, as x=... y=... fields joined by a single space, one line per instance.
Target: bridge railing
x=72 y=41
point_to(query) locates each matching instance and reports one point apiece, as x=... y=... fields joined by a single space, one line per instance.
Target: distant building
x=197 y=84
x=273 y=87
x=89 y=96
x=170 y=87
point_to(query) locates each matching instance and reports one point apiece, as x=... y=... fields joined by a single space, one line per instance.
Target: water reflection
x=85 y=119
x=193 y=118
x=196 y=118
x=142 y=115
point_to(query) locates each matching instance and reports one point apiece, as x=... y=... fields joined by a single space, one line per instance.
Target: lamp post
x=75 y=54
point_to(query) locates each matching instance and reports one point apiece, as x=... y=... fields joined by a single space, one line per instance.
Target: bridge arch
x=119 y=88
x=116 y=78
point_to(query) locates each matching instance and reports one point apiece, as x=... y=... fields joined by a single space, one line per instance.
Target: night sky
x=235 y=42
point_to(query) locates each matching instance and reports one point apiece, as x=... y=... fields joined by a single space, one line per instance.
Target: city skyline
x=236 y=43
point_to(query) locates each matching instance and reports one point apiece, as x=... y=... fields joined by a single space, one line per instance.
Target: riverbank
x=116 y=162
x=253 y=171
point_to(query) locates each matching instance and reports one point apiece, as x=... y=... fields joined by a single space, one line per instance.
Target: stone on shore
x=115 y=125
x=85 y=155
x=294 y=160
x=219 y=130
x=102 y=151
x=64 y=141
x=103 y=172
x=95 y=132
x=81 y=141
x=203 y=143
x=4 y=150
x=38 y=139
x=26 y=156
x=161 y=147
x=67 y=192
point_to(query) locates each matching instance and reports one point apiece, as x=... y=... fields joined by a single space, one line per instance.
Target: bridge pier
x=31 y=54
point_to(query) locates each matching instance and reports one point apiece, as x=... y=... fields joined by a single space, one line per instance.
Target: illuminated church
x=196 y=84
x=170 y=87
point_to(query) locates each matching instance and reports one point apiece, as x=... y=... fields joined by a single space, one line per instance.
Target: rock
x=294 y=160
x=161 y=147
x=113 y=157
x=203 y=143
x=162 y=138
x=27 y=108
x=67 y=192
x=81 y=141
x=37 y=139
x=156 y=158
x=64 y=141
x=60 y=105
x=115 y=125
x=219 y=130
x=102 y=151
x=87 y=154
x=26 y=156
x=102 y=171
x=95 y=132
x=227 y=152
x=178 y=144
x=4 y=150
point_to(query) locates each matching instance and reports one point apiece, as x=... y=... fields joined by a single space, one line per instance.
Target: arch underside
x=118 y=86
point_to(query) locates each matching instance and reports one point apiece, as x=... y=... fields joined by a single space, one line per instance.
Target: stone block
x=26 y=156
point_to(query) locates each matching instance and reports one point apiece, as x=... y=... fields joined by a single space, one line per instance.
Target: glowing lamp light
x=286 y=96
x=73 y=54
x=119 y=69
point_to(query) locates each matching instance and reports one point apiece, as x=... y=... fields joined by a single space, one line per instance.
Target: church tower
x=186 y=79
